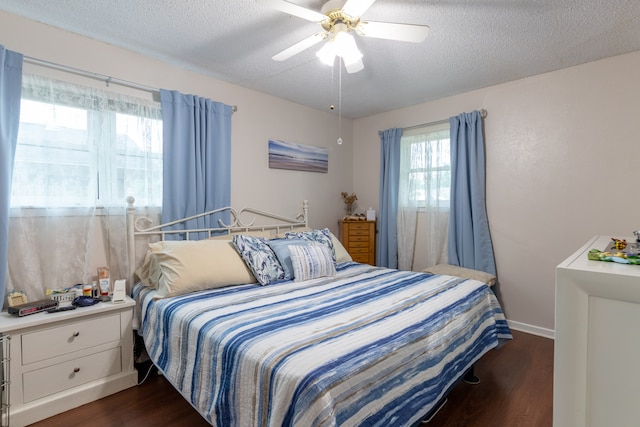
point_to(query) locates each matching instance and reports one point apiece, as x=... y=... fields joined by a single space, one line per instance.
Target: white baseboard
x=530 y=329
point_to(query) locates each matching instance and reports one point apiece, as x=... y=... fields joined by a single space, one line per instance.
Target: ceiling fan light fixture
x=354 y=67
x=342 y=44
x=346 y=48
x=327 y=53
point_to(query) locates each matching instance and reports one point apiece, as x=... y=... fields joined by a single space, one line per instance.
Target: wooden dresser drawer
x=358 y=238
x=63 y=376
x=359 y=226
x=68 y=338
x=358 y=247
x=361 y=242
x=361 y=257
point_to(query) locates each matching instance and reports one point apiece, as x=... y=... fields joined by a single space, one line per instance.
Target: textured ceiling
x=472 y=43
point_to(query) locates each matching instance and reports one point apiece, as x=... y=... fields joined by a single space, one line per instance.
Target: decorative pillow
x=254 y=233
x=284 y=233
x=181 y=266
x=259 y=257
x=465 y=273
x=311 y=261
x=322 y=236
x=281 y=248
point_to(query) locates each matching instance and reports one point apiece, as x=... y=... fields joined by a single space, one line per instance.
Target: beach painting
x=287 y=155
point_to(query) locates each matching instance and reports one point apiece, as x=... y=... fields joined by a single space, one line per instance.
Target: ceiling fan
x=340 y=18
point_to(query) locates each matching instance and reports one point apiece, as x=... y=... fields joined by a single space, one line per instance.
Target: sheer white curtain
x=423 y=199
x=81 y=151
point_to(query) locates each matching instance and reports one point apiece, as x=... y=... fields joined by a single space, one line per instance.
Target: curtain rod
x=483 y=114
x=96 y=76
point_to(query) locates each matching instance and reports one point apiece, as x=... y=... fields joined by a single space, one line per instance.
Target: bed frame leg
x=470 y=377
x=430 y=416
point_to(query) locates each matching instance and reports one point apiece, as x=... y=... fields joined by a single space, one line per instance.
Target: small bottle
x=86 y=290
x=94 y=290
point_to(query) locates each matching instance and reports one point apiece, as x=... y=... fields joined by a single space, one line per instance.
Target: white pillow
x=341 y=253
x=144 y=272
x=180 y=267
x=465 y=273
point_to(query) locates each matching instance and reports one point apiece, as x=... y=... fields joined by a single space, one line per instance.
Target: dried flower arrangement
x=349 y=200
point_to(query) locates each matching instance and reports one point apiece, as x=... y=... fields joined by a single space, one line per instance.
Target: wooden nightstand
x=59 y=361
x=359 y=239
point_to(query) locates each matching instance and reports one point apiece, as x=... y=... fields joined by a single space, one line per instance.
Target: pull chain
x=340 y=102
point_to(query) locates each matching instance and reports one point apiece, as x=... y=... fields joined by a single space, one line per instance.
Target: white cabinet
x=597 y=343
x=59 y=361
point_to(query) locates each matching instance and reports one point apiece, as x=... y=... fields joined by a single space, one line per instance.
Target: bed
x=352 y=345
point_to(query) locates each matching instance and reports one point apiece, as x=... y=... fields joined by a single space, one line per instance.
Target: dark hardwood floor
x=515 y=390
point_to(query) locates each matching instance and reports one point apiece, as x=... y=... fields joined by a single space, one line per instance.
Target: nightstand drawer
x=63 y=376
x=68 y=338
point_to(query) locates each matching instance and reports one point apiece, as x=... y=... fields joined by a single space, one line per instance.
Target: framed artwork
x=287 y=155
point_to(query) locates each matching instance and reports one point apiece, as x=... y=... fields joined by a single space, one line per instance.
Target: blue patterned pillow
x=311 y=261
x=259 y=257
x=281 y=248
x=322 y=236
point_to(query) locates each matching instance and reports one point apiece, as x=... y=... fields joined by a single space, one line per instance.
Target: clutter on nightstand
x=619 y=251
x=63 y=296
x=16 y=298
x=104 y=282
x=119 y=291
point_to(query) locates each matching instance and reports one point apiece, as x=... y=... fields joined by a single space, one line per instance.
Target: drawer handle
x=75 y=334
x=76 y=370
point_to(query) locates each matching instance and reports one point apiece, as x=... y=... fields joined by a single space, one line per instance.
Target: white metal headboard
x=143 y=226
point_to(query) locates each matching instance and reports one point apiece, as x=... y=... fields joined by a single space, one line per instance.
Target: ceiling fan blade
x=300 y=46
x=356 y=8
x=295 y=10
x=393 y=31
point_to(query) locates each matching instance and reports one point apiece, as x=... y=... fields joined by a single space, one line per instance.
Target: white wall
x=259 y=118
x=562 y=155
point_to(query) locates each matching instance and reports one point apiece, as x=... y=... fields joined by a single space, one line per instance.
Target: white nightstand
x=59 y=361
x=596 y=347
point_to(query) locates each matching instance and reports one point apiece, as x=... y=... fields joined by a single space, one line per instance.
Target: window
x=425 y=171
x=82 y=147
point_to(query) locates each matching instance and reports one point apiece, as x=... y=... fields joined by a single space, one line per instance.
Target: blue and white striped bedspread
x=370 y=346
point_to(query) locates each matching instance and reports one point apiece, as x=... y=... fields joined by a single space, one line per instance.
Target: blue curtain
x=196 y=159
x=469 y=243
x=10 y=93
x=387 y=245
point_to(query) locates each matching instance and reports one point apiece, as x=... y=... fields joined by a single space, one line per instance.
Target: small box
x=371 y=214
